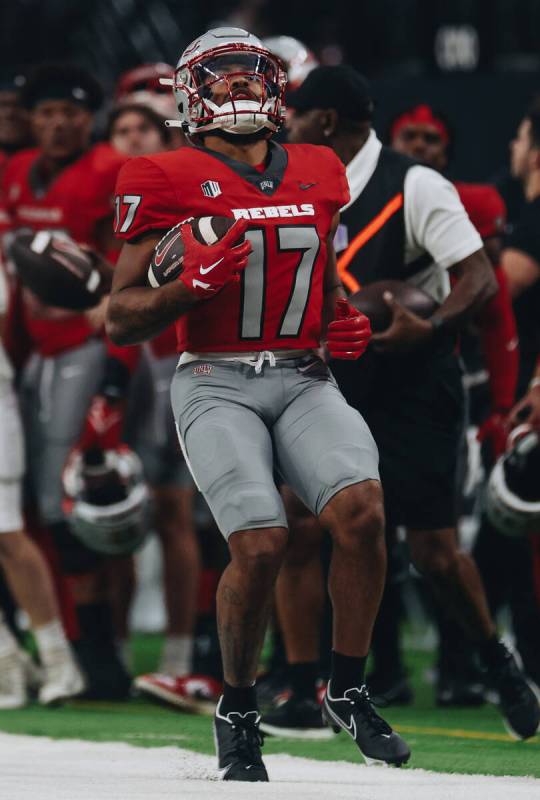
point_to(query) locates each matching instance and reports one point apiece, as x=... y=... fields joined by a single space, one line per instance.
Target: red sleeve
x=338 y=185
x=106 y=166
x=145 y=200
x=128 y=355
x=500 y=346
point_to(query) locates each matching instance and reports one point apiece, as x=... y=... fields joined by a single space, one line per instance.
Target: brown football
x=58 y=271
x=166 y=264
x=370 y=301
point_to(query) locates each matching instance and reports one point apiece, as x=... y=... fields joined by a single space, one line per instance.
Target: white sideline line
x=37 y=768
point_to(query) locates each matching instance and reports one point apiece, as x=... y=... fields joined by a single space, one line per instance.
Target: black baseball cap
x=339 y=87
x=58 y=81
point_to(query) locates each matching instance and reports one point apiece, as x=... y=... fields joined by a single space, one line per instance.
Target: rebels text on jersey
x=289 y=206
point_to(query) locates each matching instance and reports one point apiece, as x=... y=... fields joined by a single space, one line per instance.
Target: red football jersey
x=485 y=207
x=290 y=206
x=76 y=201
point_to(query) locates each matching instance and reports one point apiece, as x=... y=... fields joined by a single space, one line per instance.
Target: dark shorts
x=415 y=410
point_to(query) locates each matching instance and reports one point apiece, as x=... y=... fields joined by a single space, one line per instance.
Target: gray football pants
x=236 y=427
x=55 y=396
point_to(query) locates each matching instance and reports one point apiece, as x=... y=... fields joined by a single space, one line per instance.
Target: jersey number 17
x=301 y=238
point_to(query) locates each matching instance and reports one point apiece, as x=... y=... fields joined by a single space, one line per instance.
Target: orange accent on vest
x=364 y=236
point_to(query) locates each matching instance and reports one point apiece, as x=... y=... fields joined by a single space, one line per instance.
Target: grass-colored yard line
x=451 y=740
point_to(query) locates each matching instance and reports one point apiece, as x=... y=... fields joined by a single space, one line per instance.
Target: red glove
x=494 y=431
x=208 y=267
x=349 y=334
x=103 y=426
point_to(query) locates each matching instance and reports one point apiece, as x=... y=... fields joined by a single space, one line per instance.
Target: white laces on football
x=264 y=355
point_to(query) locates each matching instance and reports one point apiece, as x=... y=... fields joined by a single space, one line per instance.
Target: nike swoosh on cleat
x=204 y=270
x=351 y=728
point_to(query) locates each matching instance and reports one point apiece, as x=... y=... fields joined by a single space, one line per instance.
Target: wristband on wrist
x=535 y=383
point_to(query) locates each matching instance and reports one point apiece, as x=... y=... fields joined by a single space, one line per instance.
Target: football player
x=144 y=85
x=138 y=130
x=405 y=221
x=74 y=382
x=14 y=123
x=249 y=394
x=25 y=568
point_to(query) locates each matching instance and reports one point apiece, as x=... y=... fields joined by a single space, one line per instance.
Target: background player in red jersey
x=249 y=393
x=74 y=382
x=134 y=130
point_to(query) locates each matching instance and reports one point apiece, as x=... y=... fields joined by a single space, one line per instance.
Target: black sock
x=238 y=698
x=304 y=679
x=492 y=652
x=347 y=672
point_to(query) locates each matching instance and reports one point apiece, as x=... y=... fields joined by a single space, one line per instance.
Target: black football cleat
x=509 y=689
x=376 y=740
x=238 y=745
x=296 y=718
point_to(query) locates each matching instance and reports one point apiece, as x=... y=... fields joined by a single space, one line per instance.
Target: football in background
x=58 y=271
x=370 y=301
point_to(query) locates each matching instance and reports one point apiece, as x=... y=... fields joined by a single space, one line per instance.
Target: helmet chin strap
x=237 y=138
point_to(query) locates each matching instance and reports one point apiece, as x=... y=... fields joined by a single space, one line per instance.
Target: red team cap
x=485 y=207
x=421 y=115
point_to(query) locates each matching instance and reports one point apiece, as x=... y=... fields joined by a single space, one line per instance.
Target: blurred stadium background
x=479 y=60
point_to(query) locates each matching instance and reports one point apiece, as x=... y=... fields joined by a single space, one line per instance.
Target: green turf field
x=457 y=740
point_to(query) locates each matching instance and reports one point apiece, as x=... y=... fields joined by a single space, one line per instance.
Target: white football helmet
x=105 y=499
x=227 y=80
x=513 y=490
x=297 y=59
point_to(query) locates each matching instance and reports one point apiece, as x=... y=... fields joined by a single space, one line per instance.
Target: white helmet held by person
x=105 y=499
x=227 y=80
x=513 y=489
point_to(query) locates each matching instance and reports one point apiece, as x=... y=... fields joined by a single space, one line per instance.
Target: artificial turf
x=450 y=740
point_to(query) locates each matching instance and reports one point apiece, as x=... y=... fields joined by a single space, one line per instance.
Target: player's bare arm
x=521 y=270
x=475 y=284
x=137 y=311
x=204 y=271
x=527 y=410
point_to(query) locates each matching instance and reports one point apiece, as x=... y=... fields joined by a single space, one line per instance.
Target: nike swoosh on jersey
x=306 y=185
x=158 y=257
x=205 y=270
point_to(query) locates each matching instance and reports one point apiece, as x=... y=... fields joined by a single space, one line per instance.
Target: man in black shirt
x=521 y=258
x=404 y=221
x=507 y=563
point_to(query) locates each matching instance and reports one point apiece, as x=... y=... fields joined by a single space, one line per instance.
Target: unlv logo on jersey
x=266 y=185
x=211 y=188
